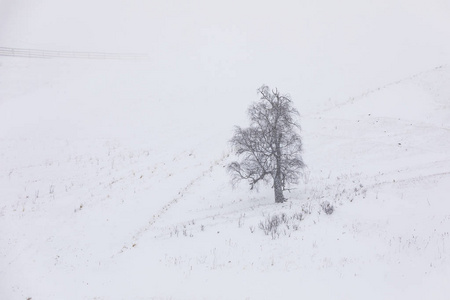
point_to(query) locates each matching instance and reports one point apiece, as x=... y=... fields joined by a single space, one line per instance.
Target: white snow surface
x=113 y=172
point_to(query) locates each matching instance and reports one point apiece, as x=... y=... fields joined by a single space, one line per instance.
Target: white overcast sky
x=309 y=48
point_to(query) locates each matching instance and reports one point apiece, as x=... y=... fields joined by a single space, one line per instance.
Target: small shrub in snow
x=297 y=216
x=327 y=207
x=270 y=225
x=280 y=224
x=284 y=218
x=306 y=208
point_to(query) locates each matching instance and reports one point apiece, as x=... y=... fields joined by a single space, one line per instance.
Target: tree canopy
x=270 y=148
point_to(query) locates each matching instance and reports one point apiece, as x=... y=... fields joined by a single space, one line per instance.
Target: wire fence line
x=36 y=53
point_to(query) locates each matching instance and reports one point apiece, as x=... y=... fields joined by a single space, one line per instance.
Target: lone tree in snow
x=271 y=147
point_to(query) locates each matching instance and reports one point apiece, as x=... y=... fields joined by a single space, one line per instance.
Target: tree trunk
x=277 y=185
x=278 y=188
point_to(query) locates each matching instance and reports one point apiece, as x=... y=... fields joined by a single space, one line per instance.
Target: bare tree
x=271 y=147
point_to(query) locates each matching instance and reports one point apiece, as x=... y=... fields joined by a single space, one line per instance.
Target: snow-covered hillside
x=112 y=172
x=152 y=213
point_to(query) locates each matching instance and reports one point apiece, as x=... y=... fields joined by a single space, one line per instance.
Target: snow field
x=130 y=199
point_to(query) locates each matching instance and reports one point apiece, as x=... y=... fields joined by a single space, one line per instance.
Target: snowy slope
x=152 y=214
x=112 y=173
